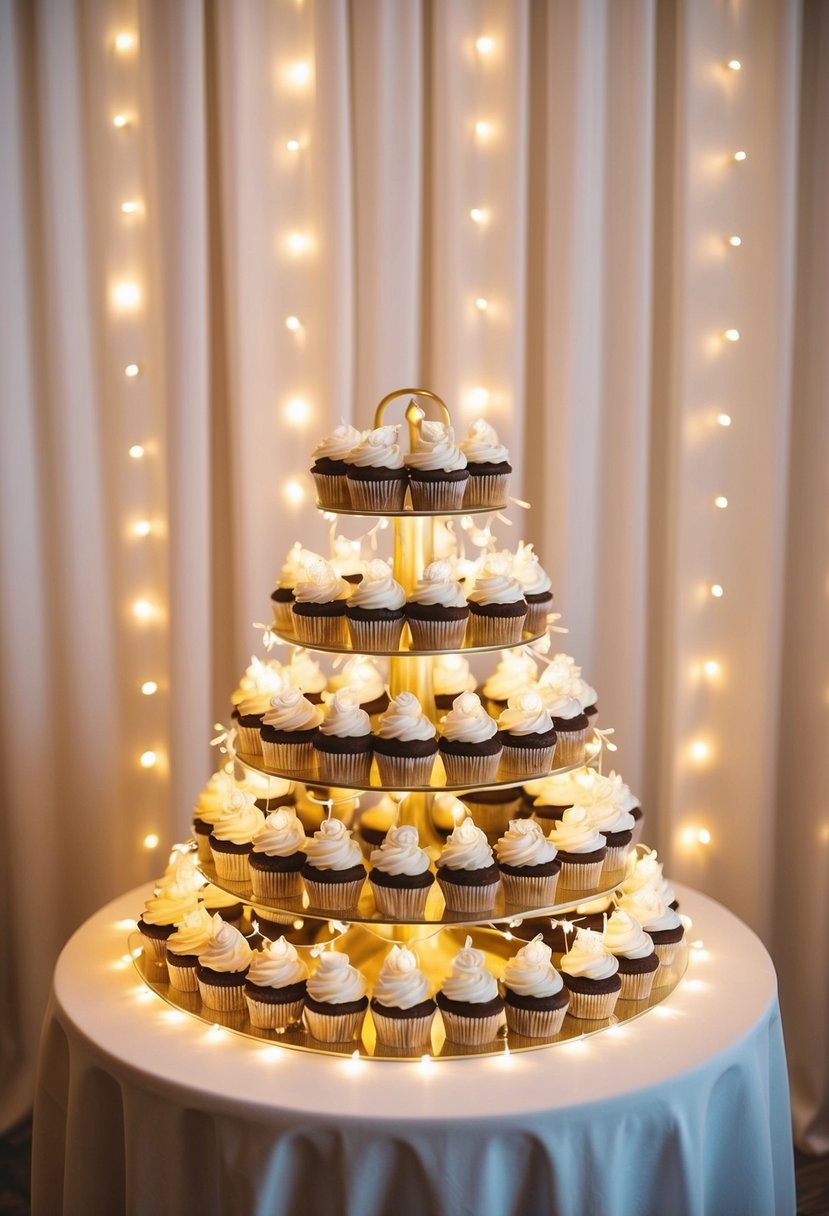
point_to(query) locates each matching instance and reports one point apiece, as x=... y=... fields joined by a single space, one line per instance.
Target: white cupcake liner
x=267 y=1016
x=593 y=1006
x=155 y=948
x=228 y=999
x=404 y=903
x=636 y=987
x=290 y=757
x=233 y=867
x=334 y=1028
x=377 y=495
x=248 y=740
x=570 y=746
x=666 y=953
x=470 y=770
x=437 y=634
x=320 y=630
x=183 y=979
x=486 y=490
x=437 y=495
x=530 y=892
x=577 y=877
x=494 y=630
x=616 y=856
x=334 y=896
x=535 y=1023
x=468 y=899
x=528 y=761
x=536 y=619
x=370 y=636
x=275 y=884
x=332 y=491
x=471 y=1032
x=407 y=1034
x=344 y=768
x=203 y=843
x=283 y=615
x=402 y=771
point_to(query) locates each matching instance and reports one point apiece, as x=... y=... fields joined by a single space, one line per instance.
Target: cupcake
x=489 y=468
x=400 y=877
x=469 y=1001
x=275 y=985
x=447 y=813
x=528 y=865
x=614 y=824
x=450 y=677
x=552 y=795
x=329 y=467
x=377 y=477
x=493 y=809
x=268 y=681
x=526 y=731
x=374 y=610
x=467 y=873
x=405 y=745
x=516 y=673
x=222 y=968
x=562 y=688
x=335 y=999
x=289 y=731
x=662 y=923
x=437 y=469
x=535 y=997
x=334 y=872
x=319 y=606
x=376 y=820
x=536 y=586
x=497 y=608
x=634 y=951
x=628 y=801
x=277 y=857
x=209 y=808
x=591 y=976
x=401 y=1005
x=162 y=913
x=581 y=849
x=343 y=743
x=647 y=872
x=184 y=947
x=181 y=869
x=436 y=610
x=361 y=674
x=282 y=597
x=304 y=672
x=232 y=837
x=469 y=744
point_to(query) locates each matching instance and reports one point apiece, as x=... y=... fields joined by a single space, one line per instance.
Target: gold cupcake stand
x=361 y=931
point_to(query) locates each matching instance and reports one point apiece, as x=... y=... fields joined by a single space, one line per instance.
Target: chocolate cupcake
x=450 y=677
x=581 y=849
x=634 y=951
x=162 y=913
x=304 y=672
x=335 y=999
x=319 y=606
x=469 y=743
x=277 y=857
x=329 y=467
x=436 y=610
x=437 y=469
x=487 y=461
x=535 y=997
x=516 y=673
x=528 y=864
x=591 y=977
x=467 y=873
x=559 y=685
x=209 y=809
x=662 y=924
x=537 y=588
x=334 y=872
x=268 y=680
x=362 y=674
x=289 y=730
x=275 y=985
x=497 y=606
x=222 y=968
x=613 y=824
x=282 y=597
x=377 y=477
x=469 y=1001
x=401 y=1005
x=400 y=877
x=374 y=610
x=344 y=742
x=184 y=946
x=527 y=733
x=405 y=745
x=232 y=837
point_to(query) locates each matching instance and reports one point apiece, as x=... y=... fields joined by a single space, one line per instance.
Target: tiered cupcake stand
x=361 y=930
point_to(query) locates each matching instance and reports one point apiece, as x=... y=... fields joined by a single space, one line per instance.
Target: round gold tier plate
x=410 y=513
x=405 y=652
x=366 y=952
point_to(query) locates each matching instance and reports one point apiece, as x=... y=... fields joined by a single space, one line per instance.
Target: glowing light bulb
x=292 y=145
x=704 y=836
x=125 y=42
x=120 y=121
x=126 y=295
x=740 y=156
x=299 y=243
x=721 y=501
x=299 y=74
x=130 y=207
x=294 y=491
x=151 y=841
x=732 y=335
x=148 y=759
x=136 y=451
x=735 y=241
x=297 y=412
x=484 y=45
x=483 y=130
x=478 y=215
x=293 y=323
x=142 y=528
x=482 y=304
x=717 y=591
x=478 y=398
x=149 y=688
x=724 y=419
x=700 y=750
x=143 y=609
x=734 y=65
x=131 y=370
x=711 y=668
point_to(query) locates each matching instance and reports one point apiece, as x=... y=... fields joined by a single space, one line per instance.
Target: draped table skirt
x=684 y=1111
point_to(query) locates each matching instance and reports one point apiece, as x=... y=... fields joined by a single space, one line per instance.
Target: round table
x=684 y=1110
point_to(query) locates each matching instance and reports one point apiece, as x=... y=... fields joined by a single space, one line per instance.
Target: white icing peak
x=400 y=984
x=405 y=720
x=400 y=852
x=482 y=445
x=242 y=819
x=528 y=570
x=467 y=848
x=624 y=935
x=192 y=934
x=290 y=710
x=335 y=981
x=320 y=584
x=470 y=980
x=524 y=844
x=468 y=721
x=171 y=904
x=437 y=587
x=331 y=847
x=296 y=561
x=378 y=589
x=450 y=674
x=435 y=449
x=226 y=950
x=574 y=833
x=276 y=964
x=495 y=584
x=343 y=717
x=378 y=449
x=530 y=972
x=525 y=715
x=516 y=673
x=281 y=835
x=339 y=443
x=259 y=677
x=646 y=905
x=587 y=957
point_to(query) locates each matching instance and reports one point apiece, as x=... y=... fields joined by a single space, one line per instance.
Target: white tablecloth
x=683 y=1111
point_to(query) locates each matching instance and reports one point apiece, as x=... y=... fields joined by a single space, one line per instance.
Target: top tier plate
x=409 y=513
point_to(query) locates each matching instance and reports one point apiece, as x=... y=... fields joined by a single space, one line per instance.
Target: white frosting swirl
x=400 y=985
x=215 y=897
x=291 y=711
x=181 y=870
x=530 y=972
x=259 y=677
x=525 y=714
x=607 y=817
x=343 y=717
x=435 y=448
x=210 y=803
x=345 y=556
x=622 y=795
x=495 y=584
x=448 y=811
x=648 y=907
x=276 y=964
x=242 y=820
x=516 y=672
x=305 y=673
x=563 y=707
x=466 y=849
x=338 y=444
x=335 y=981
x=378 y=589
x=470 y=981
x=524 y=844
x=588 y=958
x=528 y=570
x=564 y=789
x=647 y=872
x=574 y=832
x=451 y=675
x=192 y=934
x=468 y=721
x=559 y=676
x=226 y=950
x=320 y=584
x=378 y=449
x=437 y=588
x=584 y=693
x=405 y=720
x=400 y=852
x=296 y=562
x=624 y=935
x=171 y=905
x=281 y=835
x=362 y=673
x=331 y=847
x=482 y=445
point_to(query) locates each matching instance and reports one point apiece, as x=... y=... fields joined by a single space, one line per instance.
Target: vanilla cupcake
x=634 y=951
x=614 y=824
x=536 y=585
x=335 y=999
x=209 y=809
x=343 y=744
x=528 y=865
x=267 y=681
x=362 y=674
x=282 y=597
x=535 y=996
x=401 y=1004
x=662 y=923
x=277 y=857
x=437 y=469
x=289 y=729
x=628 y=801
x=581 y=849
x=469 y=1001
x=436 y=610
x=591 y=976
x=232 y=837
x=275 y=985
x=400 y=877
x=334 y=872
x=489 y=468
x=450 y=677
x=162 y=913
x=496 y=605
x=374 y=610
x=516 y=673
x=467 y=873
x=377 y=477
x=329 y=467
x=304 y=672
x=222 y=968
x=319 y=606
x=527 y=734
x=184 y=946
x=405 y=745
x=469 y=744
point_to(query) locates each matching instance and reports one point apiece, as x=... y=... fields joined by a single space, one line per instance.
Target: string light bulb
x=739 y=156
x=126 y=295
x=734 y=65
x=299 y=74
x=130 y=207
x=136 y=451
x=721 y=501
x=700 y=750
x=292 y=145
x=148 y=759
x=299 y=243
x=143 y=609
x=297 y=413
x=293 y=324
x=142 y=528
x=149 y=688
x=724 y=419
x=125 y=42
x=711 y=668
x=483 y=129
x=484 y=44
x=704 y=836
x=478 y=215
x=131 y=370
x=151 y=841
x=735 y=241
x=120 y=121
x=479 y=398
x=482 y=303
x=294 y=491
x=731 y=335
x=717 y=591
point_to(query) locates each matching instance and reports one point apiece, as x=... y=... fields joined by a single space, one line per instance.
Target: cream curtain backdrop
x=321 y=160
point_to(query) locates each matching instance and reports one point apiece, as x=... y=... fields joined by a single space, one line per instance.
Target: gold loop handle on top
x=414 y=413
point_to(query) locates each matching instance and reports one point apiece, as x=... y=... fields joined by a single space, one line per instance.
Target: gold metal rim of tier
x=410 y=513
x=367 y=955
x=291 y=639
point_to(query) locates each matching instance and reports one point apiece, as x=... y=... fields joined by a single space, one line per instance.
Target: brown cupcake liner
x=332 y=491
x=535 y=1023
x=404 y=903
x=488 y=490
x=332 y=1027
x=494 y=630
x=183 y=979
x=570 y=746
x=275 y=884
x=469 y=899
x=248 y=740
x=227 y=999
x=344 y=768
x=437 y=635
x=536 y=618
x=408 y=1034
x=437 y=495
x=666 y=953
x=530 y=892
x=233 y=867
x=577 y=877
x=283 y=615
x=369 y=636
x=470 y=770
x=471 y=1032
x=593 y=1006
x=267 y=1016
x=320 y=630
x=334 y=896
x=402 y=771
x=289 y=757
x=528 y=761
x=377 y=495
x=637 y=986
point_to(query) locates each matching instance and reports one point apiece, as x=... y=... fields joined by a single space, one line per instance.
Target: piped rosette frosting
x=377 y=449
x=436 y=450
x=405 y=743
x=469 y=742
x=467 y=848
x=469 y=1001
x=581 y=848
x=526 y=731
x=334 y=872
x=516 y=673
x=482 y=445
x=226 y=951
x=646 y=906
x=530 y=972
x=647 y=871
x=269 y=681
x=378 y=590
x=332 y=847
x=470 y=981
x=400 y=877
x=495 y=585
x=192 y=933
x=336 y=1000
x=400 y=983
x=288 y=730
x=436 y=588
x=338 y=445
x=344 y=719
x=588 y=958
x=374 y=609
x=638 y=961
x=281 y=834
x=528 y=864
x=276 y=964
x=319 y=583
x=400 y=853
